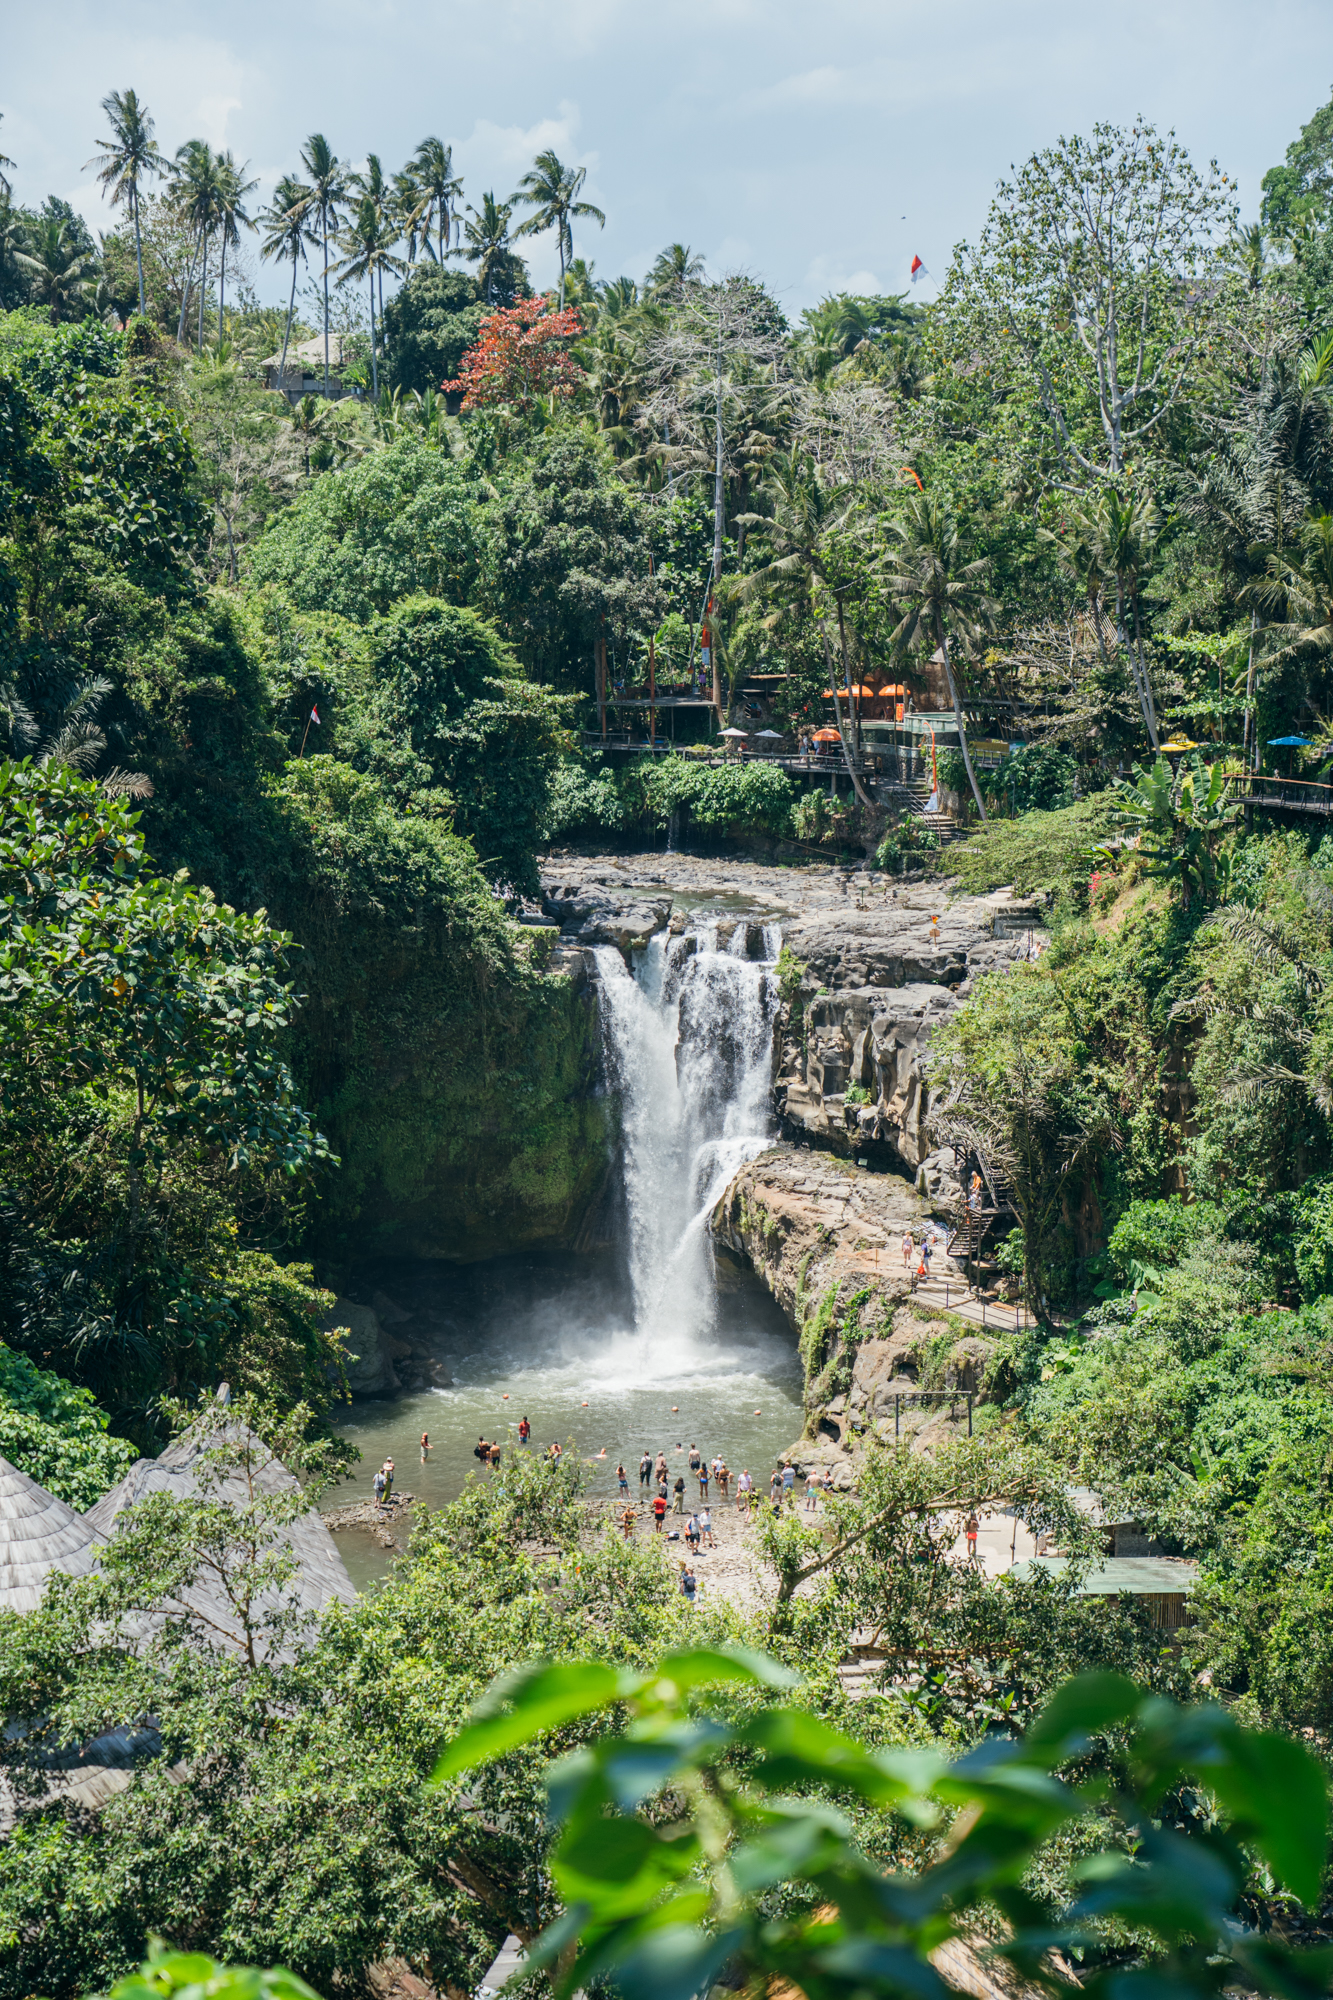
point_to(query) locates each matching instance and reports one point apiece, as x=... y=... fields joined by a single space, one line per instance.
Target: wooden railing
x=1269 y=794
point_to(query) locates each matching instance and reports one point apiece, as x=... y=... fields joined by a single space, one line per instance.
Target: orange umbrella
x=826 y=736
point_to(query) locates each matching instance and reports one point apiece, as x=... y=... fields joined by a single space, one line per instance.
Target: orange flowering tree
x=522 y=353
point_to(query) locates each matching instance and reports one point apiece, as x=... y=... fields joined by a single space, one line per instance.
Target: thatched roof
x=321 y=1577
x=308 y=356
x=38 y=1534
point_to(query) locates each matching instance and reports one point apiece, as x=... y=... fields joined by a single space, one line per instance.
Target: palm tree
x=308 y=423
x=286 y=236
x=372 y=186
x=437 y=188
x=369 y=243
x=129 y=157
x=13 y=240
x=932 y=590
x=1301 y=593
x=801 y=540
x=328 y=189
x=232 y=190
x=673 y=269
x=6 y=191
x=195 y=190
x=486 y=239
x=551 y=190
x=59 y=270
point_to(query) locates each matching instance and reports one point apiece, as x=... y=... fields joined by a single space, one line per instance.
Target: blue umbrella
x=1288 y=742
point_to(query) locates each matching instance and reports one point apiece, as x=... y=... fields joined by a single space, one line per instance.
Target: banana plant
x=1179 y=818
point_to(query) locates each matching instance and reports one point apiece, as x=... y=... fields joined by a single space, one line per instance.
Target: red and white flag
x=918 y=270
x=314 y=717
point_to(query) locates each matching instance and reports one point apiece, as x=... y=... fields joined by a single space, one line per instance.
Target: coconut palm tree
x=195 y=191
x=59 y=270
x=368 y=242
x=801 y=541
x=285 y=223
x=673 y=269
x=551 y=191
x=486 y=240
x=328 y=189
x=308 y=423
x=232 y=218
x=373 y=187
x=127 y=159
x=932 y=590
x=437 y=189
x=13 y=239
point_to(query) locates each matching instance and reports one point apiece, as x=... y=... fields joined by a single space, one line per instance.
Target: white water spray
x=689 y=1044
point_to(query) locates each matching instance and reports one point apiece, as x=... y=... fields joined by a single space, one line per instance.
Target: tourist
x=622 y=1481
x=706 y=1530
x=627 y=1523
x=388 y=1481
x=661 y=1468
x=927 y=1249
x=524 y=1430
x=788 y=1480
x=692 y=1534
x=425 y=1445
x=645 y=1474
x=659 y=1509
x=377 y=1484
x=481 y=1451
x=775 y=1489
x=909 y=1248
x=703 y=1480
x=695 y=1460
x=972 y=1530
x=688 y=1586
x=556 y=1453
x=678 y=1504
x=493 y=1459
x=812 y=1492
x=744 y=1488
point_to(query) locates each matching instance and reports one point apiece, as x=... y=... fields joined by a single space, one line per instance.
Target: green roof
x=1130 y=1576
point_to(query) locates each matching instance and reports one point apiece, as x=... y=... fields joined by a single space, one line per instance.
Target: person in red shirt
x=659 y=1510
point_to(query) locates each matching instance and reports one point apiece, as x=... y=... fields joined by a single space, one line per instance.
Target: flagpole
x=309 y=719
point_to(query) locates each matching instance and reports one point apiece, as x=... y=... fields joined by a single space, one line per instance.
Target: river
x=657 y=1345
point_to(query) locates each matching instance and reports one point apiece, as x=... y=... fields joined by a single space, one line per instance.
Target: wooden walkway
x=955 y=1295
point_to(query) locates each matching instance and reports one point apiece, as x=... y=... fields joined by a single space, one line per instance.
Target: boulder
x=370 y=1357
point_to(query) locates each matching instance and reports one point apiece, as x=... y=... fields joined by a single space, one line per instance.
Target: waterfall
x=689 y=1050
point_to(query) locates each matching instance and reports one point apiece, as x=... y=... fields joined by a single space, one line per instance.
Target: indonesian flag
x=314 y=717
x=918 y=270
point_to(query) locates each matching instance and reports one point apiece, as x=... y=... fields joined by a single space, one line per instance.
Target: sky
x=819 y=147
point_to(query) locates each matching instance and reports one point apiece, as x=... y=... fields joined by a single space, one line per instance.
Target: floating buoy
x=583 y=1406
x=675 y=1409
x=505 y=1397
x=759 y=1413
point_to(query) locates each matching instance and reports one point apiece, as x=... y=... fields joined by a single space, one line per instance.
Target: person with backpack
x=688 y=1585
x=377 y=1486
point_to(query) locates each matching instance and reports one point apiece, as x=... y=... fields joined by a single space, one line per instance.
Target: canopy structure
x=773 y=735
x=735 y=732
x=38 y=1534
x=1287 y=742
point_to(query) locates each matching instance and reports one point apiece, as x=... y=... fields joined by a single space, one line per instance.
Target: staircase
x=912 y=795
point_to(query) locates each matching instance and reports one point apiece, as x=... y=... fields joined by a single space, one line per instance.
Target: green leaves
x=192 y=1975
x=677 y=1831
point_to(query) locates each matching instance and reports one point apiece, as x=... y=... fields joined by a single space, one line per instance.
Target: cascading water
x=689 y=1045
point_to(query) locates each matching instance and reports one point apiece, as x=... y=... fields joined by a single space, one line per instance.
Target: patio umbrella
x=735 y=732
x=826 y=736
x=775 y=734
x=1288 y=742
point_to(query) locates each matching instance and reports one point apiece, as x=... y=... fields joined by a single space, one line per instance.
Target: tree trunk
x=1149 y=706
x=138 y=245
x=599 y=658
x=203 y=287
x=1249 y=704
x=287 y=333
x=958 y=716
x=853 y=706
x=374 y=361
x=185 y=301
x=1122 y=640
x=857 y=786
x=324 y=233
x=222 y=285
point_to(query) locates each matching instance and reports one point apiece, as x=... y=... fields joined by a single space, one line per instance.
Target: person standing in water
x=622 y=1480
x=645 y=1475
x=524 y=1430
x=425 y=1445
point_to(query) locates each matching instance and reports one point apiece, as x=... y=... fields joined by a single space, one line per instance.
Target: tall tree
x=59 y=270
x=328 y=188
x=232 y=217
x=933 y=590
x=1092 y=294
x=373 y=187
x=673 y=269
x=437 y=188
x=368 y=241
x=194 y=190
x=127 y=159
x=486 y=240
x=6 y=190
x=286 y=234
x=551 y=191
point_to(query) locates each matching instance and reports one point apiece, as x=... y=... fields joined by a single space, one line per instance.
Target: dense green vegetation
x=296 y=688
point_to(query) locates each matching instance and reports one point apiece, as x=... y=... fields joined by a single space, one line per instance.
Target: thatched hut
x=38 y=1534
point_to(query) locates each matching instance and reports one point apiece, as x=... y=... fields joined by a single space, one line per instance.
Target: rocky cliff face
x=877 y=983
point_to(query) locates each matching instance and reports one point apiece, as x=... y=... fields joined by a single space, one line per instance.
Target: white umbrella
x=735 y=732
x=776 y=734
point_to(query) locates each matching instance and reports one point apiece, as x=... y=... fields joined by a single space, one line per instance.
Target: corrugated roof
x=38 y=1534
x=1135 y=1576
x=310 y=355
